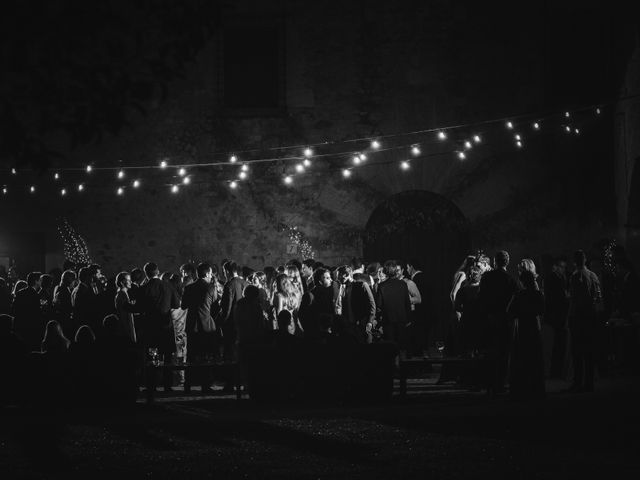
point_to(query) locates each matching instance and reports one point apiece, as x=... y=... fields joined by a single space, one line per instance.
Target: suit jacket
x=85 y=306
x=28 y=320
x=197 y=299
x=157 y=298
x=62 y=301
x=393 y=301
x=361 y=306
x=497 y=288
x=232 y=293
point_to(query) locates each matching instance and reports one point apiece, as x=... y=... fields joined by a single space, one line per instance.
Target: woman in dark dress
x=527 y=364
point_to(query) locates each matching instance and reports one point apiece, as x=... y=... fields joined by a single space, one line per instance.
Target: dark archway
x=426 y=226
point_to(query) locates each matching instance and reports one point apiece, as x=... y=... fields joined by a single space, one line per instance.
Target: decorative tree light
x=477 y=139
x=242 y=175
x=363 y=157
x=80 y=187
x=13 y=171
x=233 y=159
x=244 y=167
x=442 y=135
x=56 y=176
x=461 y=155
x=74 y=246
x=120 y=191
x=163 y=164
x=415 y=150
x=375 y=144
x=32 y=189
x=356 y=160
x=121 y=174
x=536 y=126
x=467 y=145
x=182 y=172
x=186 y=180
x=306 y=162
x=510 y=125
x=299 y=168
x=519 y=144
x=233 y=184
x=89 y=168
x=308 y=152
x=404 y=165
x=288 y=180
x=175 y=189
x=346 y=173
x=136 y=183
x=63 y=192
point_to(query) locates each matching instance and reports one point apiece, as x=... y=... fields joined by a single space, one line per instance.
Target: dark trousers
x=558 y=351
x=201 y=346
x=498 y=344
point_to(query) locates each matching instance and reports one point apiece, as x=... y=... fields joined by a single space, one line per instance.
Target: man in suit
x=157 y=298
x=318 y=305
x=28 y=320
x=197 y=299
x=555 y=314
x=232 y=292
x=394 y=307
x=361 y=307
x=62 y=303
x=84 y=301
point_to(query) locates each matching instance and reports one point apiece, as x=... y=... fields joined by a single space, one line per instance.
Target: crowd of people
x=204 y=315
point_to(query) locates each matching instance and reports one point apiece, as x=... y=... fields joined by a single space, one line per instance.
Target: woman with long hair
x=54 y=340
x=460 y=276
x=259 y=280
x=296 y=280
x=285 y=297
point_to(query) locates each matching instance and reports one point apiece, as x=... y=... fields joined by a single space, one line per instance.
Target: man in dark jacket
x=85 y=302
x=232 y=293
x=394 y=307
x=62 y=304
x=420 y=321
x=28 y=320
x=197 y=299
x=555 y=315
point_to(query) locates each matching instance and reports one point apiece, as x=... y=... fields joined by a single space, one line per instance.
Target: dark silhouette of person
x=250 y=327
x=62 y=304
x=394 y=307
x=197 y=299
x=54 y=340
x=157 y=298
x=85 y=373
x=13 y=356
x=232 y=293
x=468 y=308
x=584 y=297
x=361 y=307
x=497 y=288
x=527 y=362
x=46 y=296
x=628 y=304
x=5 y=297
x=84 y=301
x=420 y=315
x=28 y=320
x=318 y=301
x=555 y=315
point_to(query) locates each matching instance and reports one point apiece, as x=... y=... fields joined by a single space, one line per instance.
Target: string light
x=363 y=157
x=536 y=126
x=299 y=168
x=467 y=145
x=63 y=192
x=567 y=114
x=577 y=131
x=233 y=159
x=175 y=189
x=306 y=162
x=242 y=175
x=346 y=173
x=56 y=176
x=120 y=191
x=442 y=135
x=461 y=155
x=404 y=165
x=80 y=188
x=163 y=164
x=121 y=174
x=244 y=167
x=375 y=144
x=13 y=171
x=308 y=152
x=519 y=144
x=415 y=150
x=4 y=190
x=517 y=137
x=356 y=160
x=136 y=183
x=598 y=111
x=32 y=189
x=89 y=168
x=288 y=180
x=477 y=139
x=233 y=184
x=567 y=129
x=186 y=180
x=510 y=125
x=182 y=172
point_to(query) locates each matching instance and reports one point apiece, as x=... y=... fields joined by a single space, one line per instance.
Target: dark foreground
x=431 y=434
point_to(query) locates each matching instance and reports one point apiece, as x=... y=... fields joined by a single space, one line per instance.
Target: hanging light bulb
x=299 y=168
x=4 y=190
x=308 y=152
x=13 y=171
x=233 y=184
x=415 y=150
x=244 y=167
x=80 y=187
x=363 y=157
x=375 y=144
x=306 y=162
x=536 y=126
x=121 y=174
x=288 y=180
x=461 y=155
x=404 y=165
x=32 y=189
x=63 y=192
x=233 y=159
x=89 y=168
x=175 y=189
x=346 y=173
x=477 y=139
x=356 y=160
x=120 y=191
x=163 y=164
x=242 y=175
x=56 y=176
x=182 y=172
x=467 y=145
x=510 y=125
x=442 y=135
x=136 y=183
x=186 y=180
x=598 y=111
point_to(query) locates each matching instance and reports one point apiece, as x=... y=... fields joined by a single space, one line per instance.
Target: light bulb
x=306 y=162
x=233 y=184
x=308 y=152
x=233 y=159
x=567 y=128
x=461 y=155
x=136 y=183
x=442 y=135
x=13 y=171
x=32 y=189
x=517 y=137
x=509 y=125
x=519 y=144
x=175 y=189
x=404 y=165
x=288 y=180
x=186 y=180
x=120 y=190
x=242 y=175
x=577 y=131
x=346 y=173
x=182 y=172
x=80 y=187
x=363 y=157
x=598 y=111
x=121 y=174
x=63 y=192
x=467 y=145
x=536 y=126
x=56 y=175
x=163 y=164
x=567 y=114
x=375 y=145
x=299 y=168
x=89 y=169
x=4 y=190
x=356 y=160
x=415 y=151
x=245 y=167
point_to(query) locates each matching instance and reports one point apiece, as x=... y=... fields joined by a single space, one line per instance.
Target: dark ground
x=432 y=433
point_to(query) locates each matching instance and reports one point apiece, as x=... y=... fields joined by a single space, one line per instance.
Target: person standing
x=124 y=308
x=62 y=304
x=497 y=288
x=584 y=297
x=394 y=307
x=28 y=320
x=85 y=302
x=555 y=315
x=232 y=293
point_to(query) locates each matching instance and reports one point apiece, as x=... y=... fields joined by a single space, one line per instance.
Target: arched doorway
x=422 y=225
